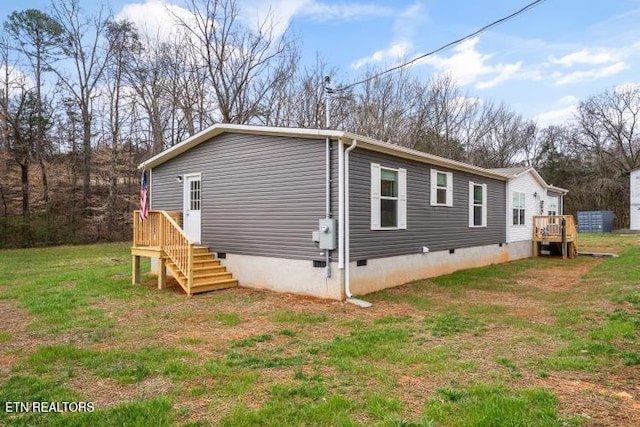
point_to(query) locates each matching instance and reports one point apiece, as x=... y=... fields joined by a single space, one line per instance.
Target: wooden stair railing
x=161 y=230
x=195 y=268
x=178 y=247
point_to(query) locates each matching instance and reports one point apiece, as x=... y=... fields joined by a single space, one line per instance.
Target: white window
x=388 y=198
x=553 y=206
x=477 y=205
x=194 y=195
x=441 y=188
x=518 y=208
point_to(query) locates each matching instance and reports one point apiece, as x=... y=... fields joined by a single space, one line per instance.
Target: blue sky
x=541 y=64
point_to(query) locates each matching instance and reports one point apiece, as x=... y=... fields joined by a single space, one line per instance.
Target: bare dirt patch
x=106 y=392
x=14 y=324
x=614 y=404
x=557 y=278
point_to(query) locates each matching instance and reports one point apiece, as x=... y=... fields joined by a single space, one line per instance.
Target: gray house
x=329 y=213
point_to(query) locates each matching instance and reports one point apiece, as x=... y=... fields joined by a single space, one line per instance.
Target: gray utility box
x=328 y=234
x=595 y=222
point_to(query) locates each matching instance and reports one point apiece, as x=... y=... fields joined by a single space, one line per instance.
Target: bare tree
x=609 y=125
x=382 y=107
x=123 y=44
x=498 y=136
x=21 y=115
x=36 y=36
x=300 y=99
x=16 y=109
x=82 y=46
x=285 y=104
x=148 y=76
x=441 y=114
x=243 y=64
x=187 y=83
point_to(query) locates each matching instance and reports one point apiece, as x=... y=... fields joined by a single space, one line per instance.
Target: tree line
x=85 y=97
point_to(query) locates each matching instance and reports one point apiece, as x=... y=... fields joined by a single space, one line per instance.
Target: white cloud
x=347 y=11
x=585 y=56
x=569 y=100
x=404 y=27
x=156 y=18
x=467 y=65
x=283 y=11
x=556 y=117
x=505 y=72
x=17 y=81
x=562 y=112
x=280 y=11
x=408 y=21
x=588 y=75
x=395 y=53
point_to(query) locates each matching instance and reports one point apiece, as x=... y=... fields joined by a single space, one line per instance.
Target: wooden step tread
x=214 y=286
x=197 y=280
x=212 y=268
x=208 y=273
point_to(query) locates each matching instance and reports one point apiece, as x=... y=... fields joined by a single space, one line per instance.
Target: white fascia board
x=560 y=190
x=536 y=175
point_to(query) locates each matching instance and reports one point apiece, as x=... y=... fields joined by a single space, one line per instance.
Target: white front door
x=192 y=199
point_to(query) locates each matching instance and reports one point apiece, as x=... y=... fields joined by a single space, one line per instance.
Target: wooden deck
x=555 y=229
x=194 y=267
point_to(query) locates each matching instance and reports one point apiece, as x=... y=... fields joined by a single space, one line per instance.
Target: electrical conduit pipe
x=347 y=275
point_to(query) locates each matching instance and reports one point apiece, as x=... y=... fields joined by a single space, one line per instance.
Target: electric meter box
x=328 y=234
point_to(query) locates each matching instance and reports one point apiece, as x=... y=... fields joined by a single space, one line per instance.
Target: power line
x=448 y=45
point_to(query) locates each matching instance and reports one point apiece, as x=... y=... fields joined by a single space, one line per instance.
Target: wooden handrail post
x=161 y=225
x=190 y=267
x=136 y=218
x=564 y=238
x=135 y=273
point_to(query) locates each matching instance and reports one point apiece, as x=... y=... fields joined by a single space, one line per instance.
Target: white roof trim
x=538 y=178
x=363 y=142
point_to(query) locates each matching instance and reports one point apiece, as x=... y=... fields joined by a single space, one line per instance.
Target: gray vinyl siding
x=261 y=195
x=165 y=192
x=437 y=227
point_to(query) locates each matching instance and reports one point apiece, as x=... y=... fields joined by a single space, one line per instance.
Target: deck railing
x=552 y=227
x=161 y=230
x=555 y=229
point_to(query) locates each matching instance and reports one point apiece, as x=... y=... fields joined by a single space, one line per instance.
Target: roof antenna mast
x=327 y=101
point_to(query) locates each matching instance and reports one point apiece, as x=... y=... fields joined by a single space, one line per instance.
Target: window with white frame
x=553 y=206
x=477 y=204
x=441 y=188
x=388 y=198
x=518 y=208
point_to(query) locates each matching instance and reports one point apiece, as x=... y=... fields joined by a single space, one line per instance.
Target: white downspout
x=509 y=213
x=327 y=256
x=347 y=238
x=340 y=204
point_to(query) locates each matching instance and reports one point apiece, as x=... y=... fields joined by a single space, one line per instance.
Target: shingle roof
x=511 y=172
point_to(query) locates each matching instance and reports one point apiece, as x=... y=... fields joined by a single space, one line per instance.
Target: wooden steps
x=208 y=274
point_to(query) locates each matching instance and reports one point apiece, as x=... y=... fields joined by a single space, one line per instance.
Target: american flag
x=144 y=211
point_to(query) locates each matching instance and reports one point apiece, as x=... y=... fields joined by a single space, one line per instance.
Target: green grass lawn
x=537 y=342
